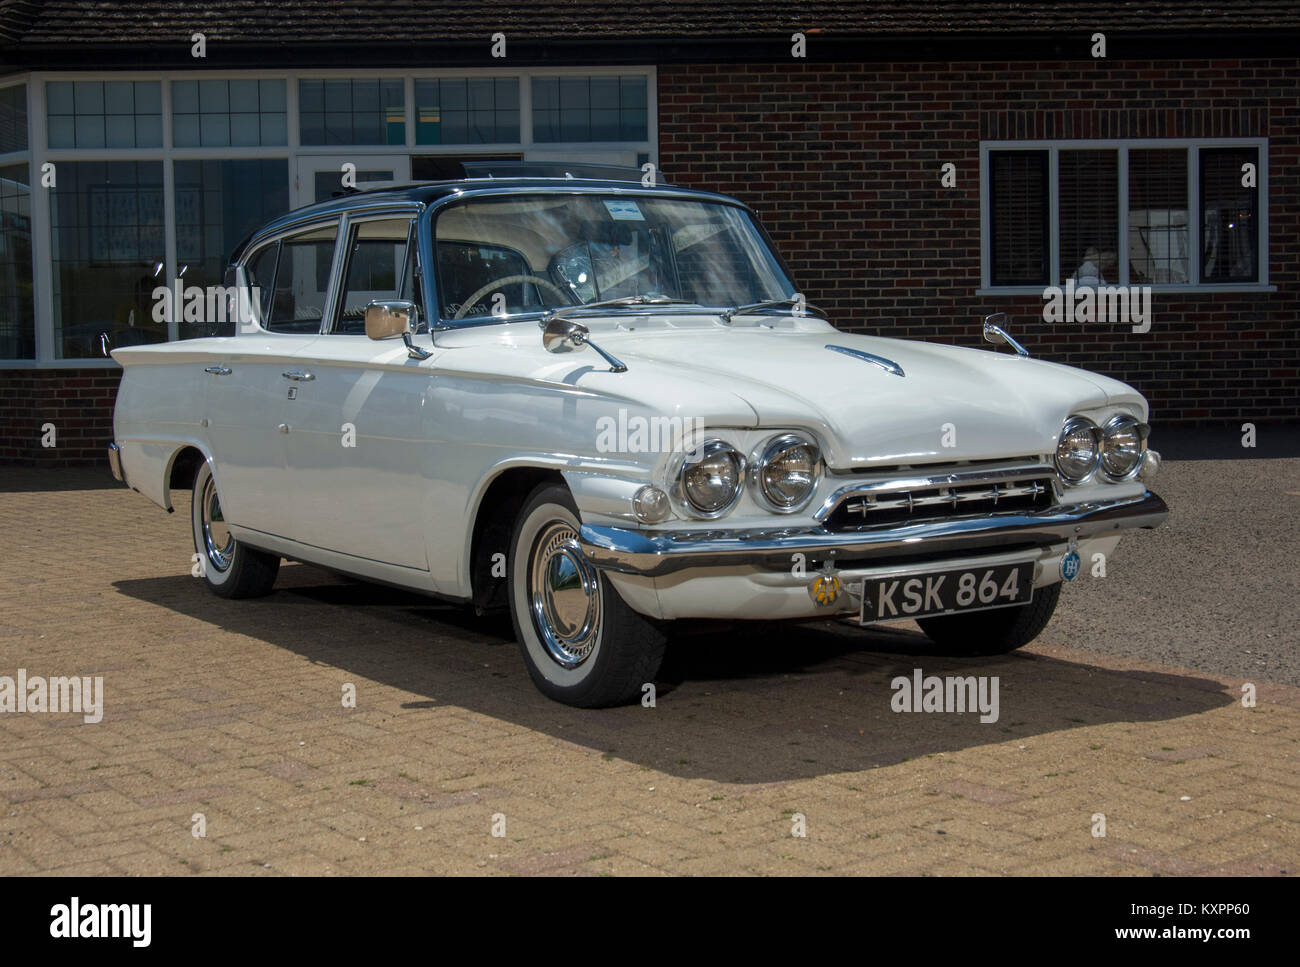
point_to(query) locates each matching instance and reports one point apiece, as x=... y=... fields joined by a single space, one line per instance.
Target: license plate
x=946 y=592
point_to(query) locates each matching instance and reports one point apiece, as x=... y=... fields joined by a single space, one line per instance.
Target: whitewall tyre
x=230 y=569
x=581 y=642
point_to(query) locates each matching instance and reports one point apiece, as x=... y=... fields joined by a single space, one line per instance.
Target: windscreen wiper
x=649 y=299
x=729 y=314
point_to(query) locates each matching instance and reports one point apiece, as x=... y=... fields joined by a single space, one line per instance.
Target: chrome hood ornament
x=888 y=365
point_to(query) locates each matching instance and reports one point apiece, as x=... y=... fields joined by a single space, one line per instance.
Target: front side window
x=504 y=256
x=380 y=266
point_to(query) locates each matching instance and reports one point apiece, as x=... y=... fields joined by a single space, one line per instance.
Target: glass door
x=321 y=178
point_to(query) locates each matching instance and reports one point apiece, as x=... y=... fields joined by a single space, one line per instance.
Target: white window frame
x=38 y=153
x=1122 y=147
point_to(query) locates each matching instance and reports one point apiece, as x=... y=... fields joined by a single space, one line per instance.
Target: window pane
x=375 y=270
x=108 y=250
x=218 y=203
x=228 y=113
x=343 y=111
x=456 y=110
x=95 y=114
x=17 y=315
x=260 y=274
x=1088 y=203
x=13 y=118
x=1018 y=217
x=590 y=109
x=301 y=281
x=1157 y=216
x=1229 y=215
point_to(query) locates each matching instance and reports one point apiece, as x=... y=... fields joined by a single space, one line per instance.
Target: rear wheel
x=994 y=632
x=582 y=644
x=230 y=569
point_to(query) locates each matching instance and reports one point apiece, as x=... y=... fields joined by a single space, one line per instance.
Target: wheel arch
x=494 y=520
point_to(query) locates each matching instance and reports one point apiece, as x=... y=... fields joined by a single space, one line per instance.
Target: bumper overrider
x=652 y=554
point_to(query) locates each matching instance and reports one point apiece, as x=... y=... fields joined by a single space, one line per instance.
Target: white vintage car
x=607 y=406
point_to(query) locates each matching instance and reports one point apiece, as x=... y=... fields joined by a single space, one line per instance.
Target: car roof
x=428 y=192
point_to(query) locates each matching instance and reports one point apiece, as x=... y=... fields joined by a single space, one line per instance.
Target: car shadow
x=748 y=703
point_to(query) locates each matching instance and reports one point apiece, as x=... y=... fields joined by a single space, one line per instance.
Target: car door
x=358 y=450
x=256 y=380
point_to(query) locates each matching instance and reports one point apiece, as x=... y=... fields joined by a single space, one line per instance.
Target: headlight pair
x=783 y=475
x=1116 y=449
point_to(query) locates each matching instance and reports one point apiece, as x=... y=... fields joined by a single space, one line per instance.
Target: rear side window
x=260 y=274
x=302 y=277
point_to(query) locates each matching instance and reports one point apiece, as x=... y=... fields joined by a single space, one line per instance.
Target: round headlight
x=1078 y=449
x=787 y=472
x=1123 y=446
x=711 y=478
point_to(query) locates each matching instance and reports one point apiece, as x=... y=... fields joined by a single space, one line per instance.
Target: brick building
x=1171 y=162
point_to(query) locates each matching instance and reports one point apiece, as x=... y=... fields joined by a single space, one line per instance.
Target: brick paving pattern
x=233 y=710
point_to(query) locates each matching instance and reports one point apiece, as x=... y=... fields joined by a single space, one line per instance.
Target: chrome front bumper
x=653 y=554
x=115 y=461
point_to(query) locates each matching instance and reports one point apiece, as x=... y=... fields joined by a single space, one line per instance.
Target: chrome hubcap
x=564 y=596
x=218 y=543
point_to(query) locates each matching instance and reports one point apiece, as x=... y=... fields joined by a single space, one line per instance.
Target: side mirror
x=564 y=336
x=560 y=335
x=994 y=333
x=386 y=319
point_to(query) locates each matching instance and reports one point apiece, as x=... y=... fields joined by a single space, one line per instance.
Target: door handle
x=304 y=377
x=218 y=370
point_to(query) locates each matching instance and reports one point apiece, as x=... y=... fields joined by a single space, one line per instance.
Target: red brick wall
x=842 y=163
x=79 y=402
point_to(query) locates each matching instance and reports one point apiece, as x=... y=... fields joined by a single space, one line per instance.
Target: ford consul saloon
x=606 y=407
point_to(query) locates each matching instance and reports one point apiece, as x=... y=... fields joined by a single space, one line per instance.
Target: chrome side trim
x=888 y=365
x=647 y=553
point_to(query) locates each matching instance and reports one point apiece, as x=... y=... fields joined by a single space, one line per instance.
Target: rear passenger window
x=260 y=274
x=380 y=266
x=302 y=278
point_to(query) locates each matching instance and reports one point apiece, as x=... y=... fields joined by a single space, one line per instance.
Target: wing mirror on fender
x=564 y=336
x=994 y=333
x=387 y=318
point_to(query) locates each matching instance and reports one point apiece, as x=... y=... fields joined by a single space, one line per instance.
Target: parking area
x=1122 y=744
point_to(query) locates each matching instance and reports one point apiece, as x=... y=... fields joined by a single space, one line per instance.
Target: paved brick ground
x=233 y=710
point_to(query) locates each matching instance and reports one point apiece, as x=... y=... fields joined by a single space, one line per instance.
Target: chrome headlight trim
x=1121 y=422
x=708 y=448
x=1071 y=425
x=768 y=451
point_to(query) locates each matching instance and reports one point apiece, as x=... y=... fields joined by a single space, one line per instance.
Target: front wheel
x=994 y=632
x=582 y=644
x=230 y=569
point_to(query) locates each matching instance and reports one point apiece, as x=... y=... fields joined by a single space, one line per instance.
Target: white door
x=320 y=177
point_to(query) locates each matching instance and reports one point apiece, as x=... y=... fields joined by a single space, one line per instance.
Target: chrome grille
x=949 y=494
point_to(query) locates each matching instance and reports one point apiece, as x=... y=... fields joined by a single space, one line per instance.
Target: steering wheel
x=509 y=280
